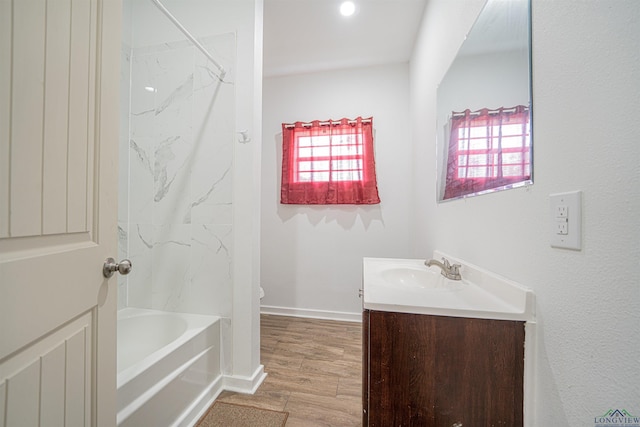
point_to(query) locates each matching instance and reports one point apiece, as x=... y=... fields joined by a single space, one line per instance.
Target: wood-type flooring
x=314 y=371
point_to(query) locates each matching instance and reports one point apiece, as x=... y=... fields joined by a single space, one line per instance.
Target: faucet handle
x=446 y=263
x=454 y=272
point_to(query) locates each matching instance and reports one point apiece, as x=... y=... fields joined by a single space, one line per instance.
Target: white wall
x=312 y=256
x=585 y=101
x=492 y=80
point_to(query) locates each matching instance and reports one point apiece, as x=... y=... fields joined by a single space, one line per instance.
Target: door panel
x=46 y=383
x=53 y=48
x=22 y=403
x=80 y=116
x=27 y=74
x=56 y=125
x=52 y=382
x=58 y=172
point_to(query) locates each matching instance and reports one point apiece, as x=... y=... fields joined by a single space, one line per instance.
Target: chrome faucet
x=448 y=270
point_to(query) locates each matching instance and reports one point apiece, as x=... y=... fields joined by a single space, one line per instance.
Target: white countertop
x=480 y=294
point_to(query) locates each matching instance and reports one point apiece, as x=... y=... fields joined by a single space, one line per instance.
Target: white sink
x=420 y=277
x=408 y=286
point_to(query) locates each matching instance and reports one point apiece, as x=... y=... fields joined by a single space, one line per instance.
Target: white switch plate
x=566 y=220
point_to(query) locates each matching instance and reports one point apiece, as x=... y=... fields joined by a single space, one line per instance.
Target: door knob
x=111 y=266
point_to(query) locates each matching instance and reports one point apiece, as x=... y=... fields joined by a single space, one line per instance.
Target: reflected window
x=487 y=149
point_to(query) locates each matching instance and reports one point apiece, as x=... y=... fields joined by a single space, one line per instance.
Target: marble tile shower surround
x=176 y=155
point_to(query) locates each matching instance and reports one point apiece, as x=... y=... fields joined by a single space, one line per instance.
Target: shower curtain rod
x=189 y=36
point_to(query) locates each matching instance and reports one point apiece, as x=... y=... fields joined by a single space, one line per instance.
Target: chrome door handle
x=111 y=266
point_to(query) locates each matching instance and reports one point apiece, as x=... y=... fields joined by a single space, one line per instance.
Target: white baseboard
x=240 y=384
x=313 y=314
x=246 y=385
x=201 y=405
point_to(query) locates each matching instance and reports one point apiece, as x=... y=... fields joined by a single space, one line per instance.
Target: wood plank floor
x=314 y=371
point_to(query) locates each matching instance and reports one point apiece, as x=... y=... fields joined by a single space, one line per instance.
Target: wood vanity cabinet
x=423 y=370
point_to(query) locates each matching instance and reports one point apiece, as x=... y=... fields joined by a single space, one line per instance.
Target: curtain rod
x=498 y=111
x=190 y=37
x=325 y=123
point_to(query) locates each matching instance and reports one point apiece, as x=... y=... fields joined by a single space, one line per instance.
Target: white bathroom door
x=59 y=70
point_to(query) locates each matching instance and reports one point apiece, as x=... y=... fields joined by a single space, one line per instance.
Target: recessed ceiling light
x=347 y=8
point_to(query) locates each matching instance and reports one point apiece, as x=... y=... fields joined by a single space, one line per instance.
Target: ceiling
x=302 y=36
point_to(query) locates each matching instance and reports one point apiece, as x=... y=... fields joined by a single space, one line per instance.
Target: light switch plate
x=566 y=209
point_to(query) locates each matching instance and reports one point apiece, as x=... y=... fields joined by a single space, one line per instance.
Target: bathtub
x=168 y=367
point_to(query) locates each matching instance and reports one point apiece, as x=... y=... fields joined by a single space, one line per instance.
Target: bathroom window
x=328 y=162
x=487 y=149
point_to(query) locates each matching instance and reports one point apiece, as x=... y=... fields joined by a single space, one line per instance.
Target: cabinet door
x=401 y=370
x=443 y=371
x=365 y=368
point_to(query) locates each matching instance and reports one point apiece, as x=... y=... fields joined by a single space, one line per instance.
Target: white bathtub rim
x=196 y=323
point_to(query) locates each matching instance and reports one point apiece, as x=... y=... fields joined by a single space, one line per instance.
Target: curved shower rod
x=190 y=37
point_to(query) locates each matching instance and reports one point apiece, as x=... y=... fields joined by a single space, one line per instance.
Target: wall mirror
x=484 y=140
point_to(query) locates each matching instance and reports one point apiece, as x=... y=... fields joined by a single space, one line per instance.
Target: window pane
x=346 y=150
x=314 y=152
x=512 y=141
x=514 y=129
x=344 y=139
x=304 y=141
x=492 y=147
x=478 y=144
x=511 y=158
x=322 y=165
x=512 y=170
x=337 y=157
x=346 y=176
x=477 y=159
x=313 y=176
x=478 y=132
x=346 y=164
x=313 y=141
x=479 y=172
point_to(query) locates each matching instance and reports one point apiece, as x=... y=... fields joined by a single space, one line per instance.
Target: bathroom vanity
x=440 y=352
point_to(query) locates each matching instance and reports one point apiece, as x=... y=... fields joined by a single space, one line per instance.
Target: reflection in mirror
x=484 y=141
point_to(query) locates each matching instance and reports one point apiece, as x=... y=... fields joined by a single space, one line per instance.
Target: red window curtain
x=328 y=162
x=487 y=149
